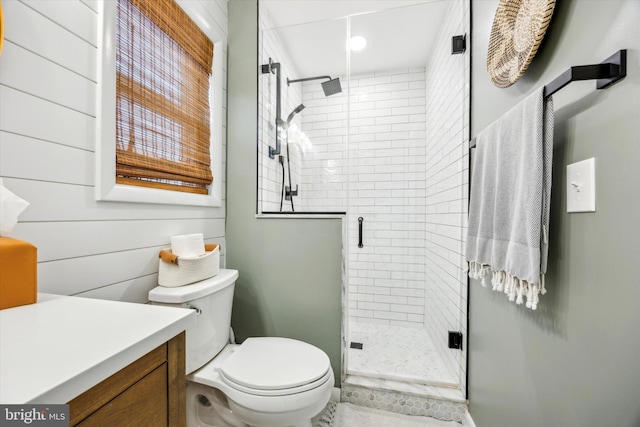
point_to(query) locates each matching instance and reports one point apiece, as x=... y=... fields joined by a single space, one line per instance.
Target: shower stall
x=380 y=138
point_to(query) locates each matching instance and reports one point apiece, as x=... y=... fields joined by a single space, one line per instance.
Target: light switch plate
x=581 y=186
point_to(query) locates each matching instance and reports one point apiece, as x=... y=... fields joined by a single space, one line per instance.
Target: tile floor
x=349 y=415
x=396 y=353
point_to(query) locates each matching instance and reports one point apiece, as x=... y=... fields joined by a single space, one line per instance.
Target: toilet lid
x=275 y=364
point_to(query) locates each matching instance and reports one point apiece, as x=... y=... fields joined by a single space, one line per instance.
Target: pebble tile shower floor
x=396 y=353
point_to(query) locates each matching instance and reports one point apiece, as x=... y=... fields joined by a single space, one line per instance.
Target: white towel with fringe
x=509 y=201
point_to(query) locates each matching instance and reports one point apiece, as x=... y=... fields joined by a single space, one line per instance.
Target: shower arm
x=270 y=68
x=307 y=79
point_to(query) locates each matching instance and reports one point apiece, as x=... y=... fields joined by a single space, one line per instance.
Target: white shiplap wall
x=48 y=91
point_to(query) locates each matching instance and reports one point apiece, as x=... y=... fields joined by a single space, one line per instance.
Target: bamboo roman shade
x=163 y=69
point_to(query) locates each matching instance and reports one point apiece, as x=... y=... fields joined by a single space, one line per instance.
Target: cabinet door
x=148 y=392
x=142 y=404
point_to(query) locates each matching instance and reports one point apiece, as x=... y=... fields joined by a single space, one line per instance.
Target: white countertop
x=56 y=349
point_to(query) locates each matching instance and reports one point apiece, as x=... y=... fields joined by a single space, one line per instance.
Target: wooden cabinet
x=148 y=392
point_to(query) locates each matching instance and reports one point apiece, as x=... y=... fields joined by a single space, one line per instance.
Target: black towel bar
x=606 y=73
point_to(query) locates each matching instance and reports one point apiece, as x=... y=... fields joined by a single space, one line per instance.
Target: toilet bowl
x=207 y=406
x=265 y=381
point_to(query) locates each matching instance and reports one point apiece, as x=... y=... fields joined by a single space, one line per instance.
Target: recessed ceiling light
x=357 y=43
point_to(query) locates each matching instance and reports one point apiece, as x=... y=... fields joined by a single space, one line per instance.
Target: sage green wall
x=576 y=360
x=290 y=282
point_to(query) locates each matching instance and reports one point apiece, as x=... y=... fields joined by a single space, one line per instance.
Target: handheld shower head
x=294 y=112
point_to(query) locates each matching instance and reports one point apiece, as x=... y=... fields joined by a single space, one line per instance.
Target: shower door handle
x=360 y=221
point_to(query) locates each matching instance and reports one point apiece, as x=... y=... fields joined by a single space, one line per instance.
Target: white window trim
x=106 y=187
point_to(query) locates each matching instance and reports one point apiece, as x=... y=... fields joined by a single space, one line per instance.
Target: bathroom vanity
x=110 y=361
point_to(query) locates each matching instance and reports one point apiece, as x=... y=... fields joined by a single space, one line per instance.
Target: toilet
x=265 y=381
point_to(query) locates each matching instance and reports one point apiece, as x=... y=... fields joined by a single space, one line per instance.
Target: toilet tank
x=212 y=299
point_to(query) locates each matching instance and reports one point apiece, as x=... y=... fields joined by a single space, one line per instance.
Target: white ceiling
x=399 y=33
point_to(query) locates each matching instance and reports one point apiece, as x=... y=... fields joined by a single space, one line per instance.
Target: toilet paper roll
x=188 y=245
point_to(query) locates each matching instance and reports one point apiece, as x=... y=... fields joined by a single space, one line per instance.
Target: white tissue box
x=189 y=269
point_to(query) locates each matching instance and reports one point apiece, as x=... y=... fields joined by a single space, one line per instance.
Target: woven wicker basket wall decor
x=518 y=29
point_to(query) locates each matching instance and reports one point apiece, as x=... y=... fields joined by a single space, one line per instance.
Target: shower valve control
x=289 y=193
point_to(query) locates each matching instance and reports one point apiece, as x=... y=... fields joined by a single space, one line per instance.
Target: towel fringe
x=479 y=272
x=516 y=289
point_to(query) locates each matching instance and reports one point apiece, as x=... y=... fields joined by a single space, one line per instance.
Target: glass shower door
x=406 y=285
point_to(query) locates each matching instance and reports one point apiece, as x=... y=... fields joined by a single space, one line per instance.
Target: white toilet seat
x=270 y=366
x=266 y=366
x=277 y=392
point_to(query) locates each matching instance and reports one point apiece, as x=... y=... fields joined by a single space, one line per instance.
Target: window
x=159 y=124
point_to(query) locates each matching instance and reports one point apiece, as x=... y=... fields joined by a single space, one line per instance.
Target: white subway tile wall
x=387 y=189
x=447 y=165
x=324 y=149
